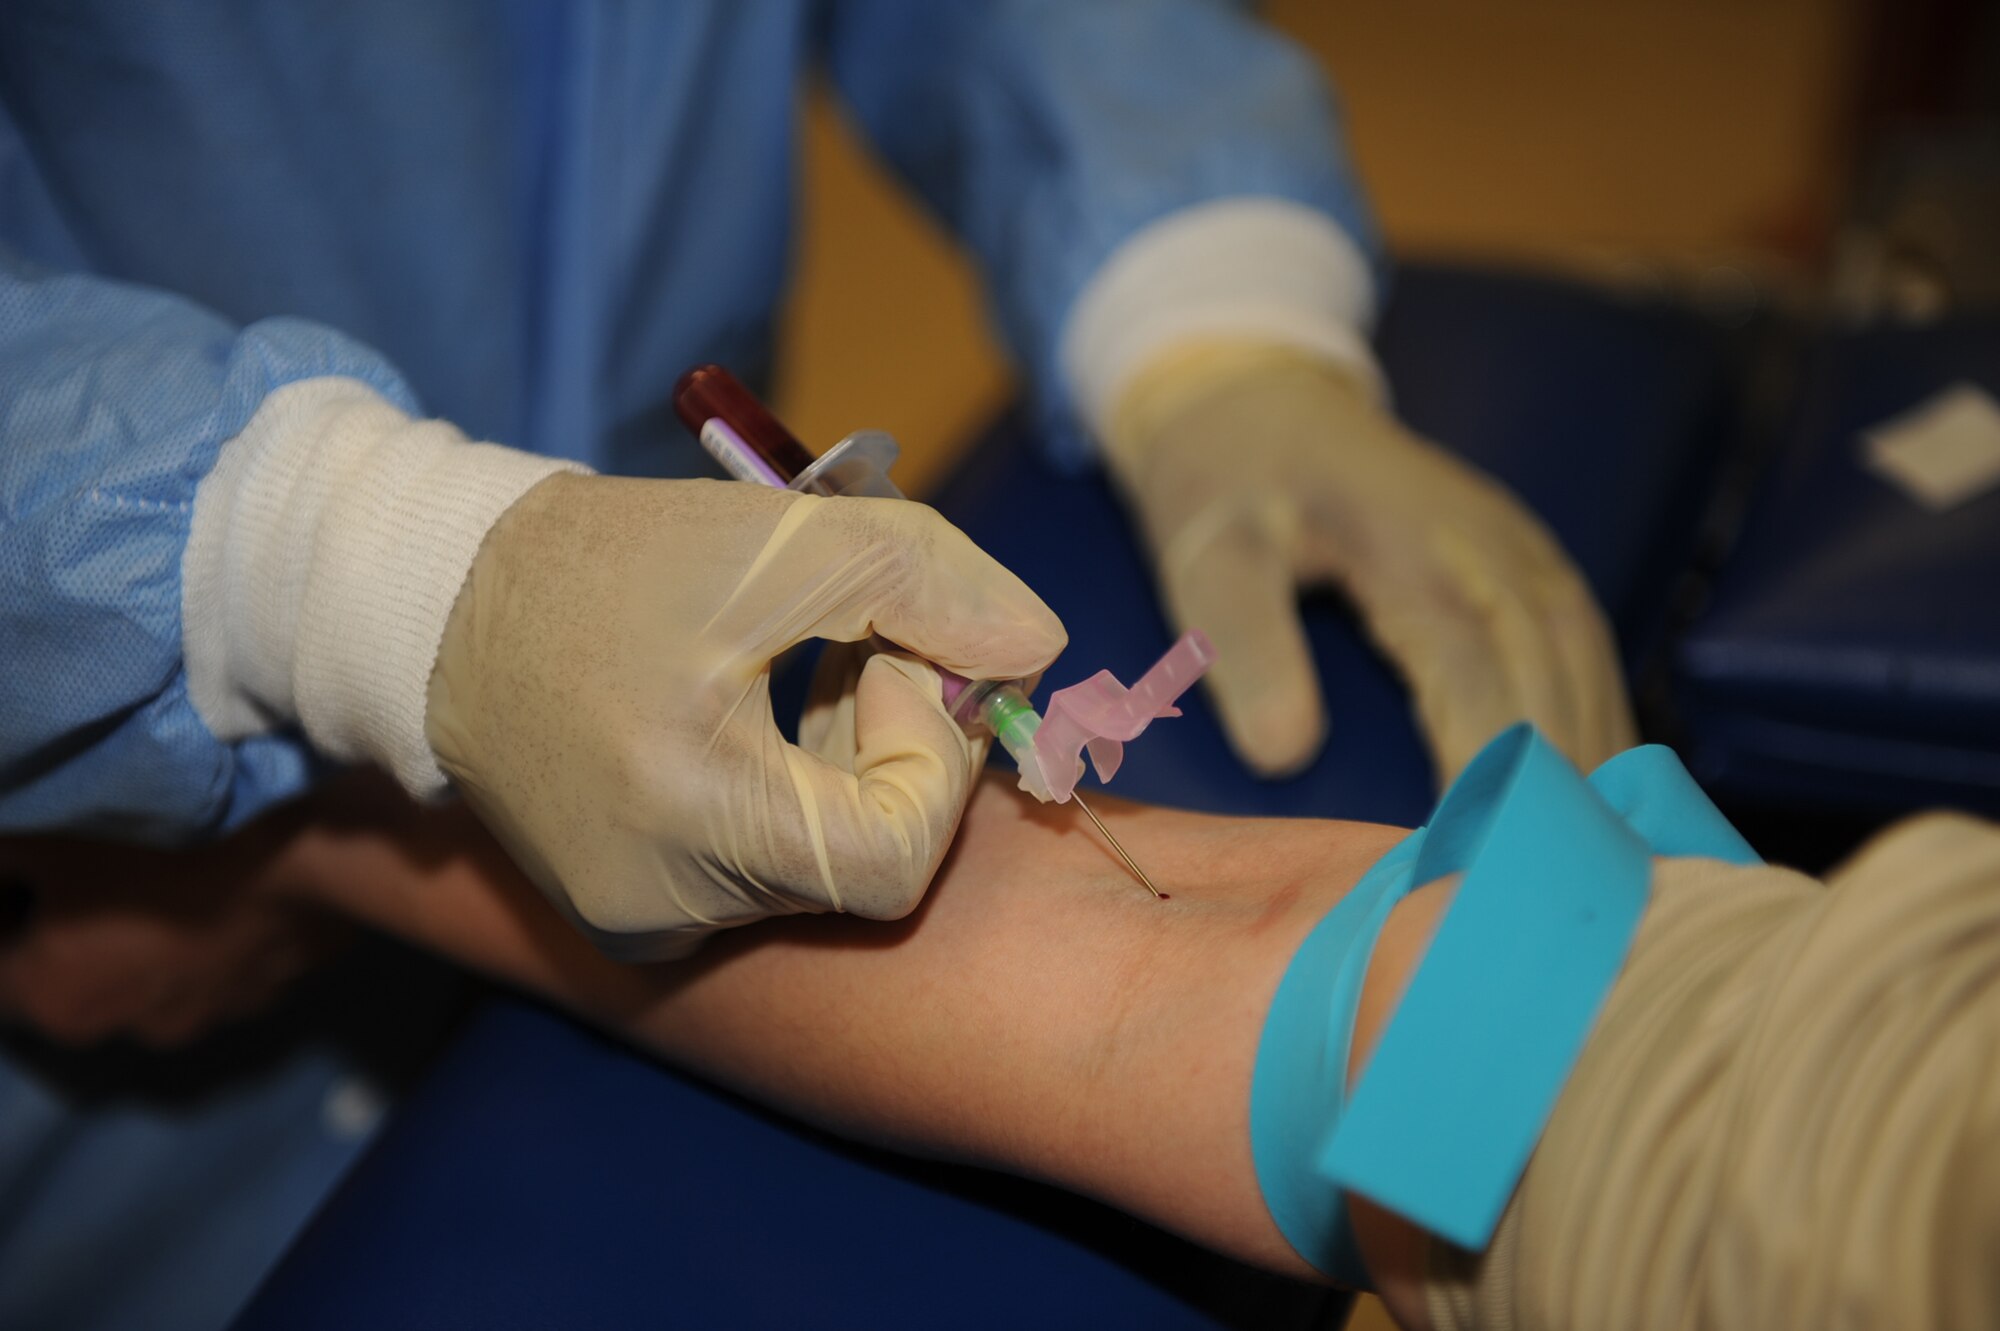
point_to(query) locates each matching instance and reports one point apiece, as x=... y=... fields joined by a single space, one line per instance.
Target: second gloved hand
x=602 y=699
x=1255 y=469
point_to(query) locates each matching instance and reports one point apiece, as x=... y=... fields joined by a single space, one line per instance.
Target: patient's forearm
x=1040 y=1012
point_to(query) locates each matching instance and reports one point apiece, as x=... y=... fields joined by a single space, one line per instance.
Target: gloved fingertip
x=1275 y=756
x=1044 y=637
x=1275 y=735
x=1033 y=637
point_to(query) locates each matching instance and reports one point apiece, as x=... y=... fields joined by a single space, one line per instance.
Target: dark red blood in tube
x=710 y=392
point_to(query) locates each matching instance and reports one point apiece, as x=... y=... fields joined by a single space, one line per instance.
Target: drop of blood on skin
x=1166 y=896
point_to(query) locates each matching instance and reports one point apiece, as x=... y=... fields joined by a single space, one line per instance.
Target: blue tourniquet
x=1556 y=873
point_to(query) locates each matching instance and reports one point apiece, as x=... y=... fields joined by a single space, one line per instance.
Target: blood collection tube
x=736 y=429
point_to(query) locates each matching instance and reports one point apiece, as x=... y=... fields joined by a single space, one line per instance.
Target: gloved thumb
x=879 y=823
x=1232 y=577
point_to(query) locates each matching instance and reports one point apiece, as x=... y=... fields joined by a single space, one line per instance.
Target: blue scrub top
x=527 y=217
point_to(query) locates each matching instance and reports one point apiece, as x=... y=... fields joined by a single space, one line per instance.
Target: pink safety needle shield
x=1102 y=715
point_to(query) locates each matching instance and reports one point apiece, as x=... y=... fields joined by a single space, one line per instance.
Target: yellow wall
x=884 y=327
x=1547 y=129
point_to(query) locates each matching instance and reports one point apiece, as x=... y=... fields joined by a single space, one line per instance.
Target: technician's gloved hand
x=602 y=699
x=1256 y=469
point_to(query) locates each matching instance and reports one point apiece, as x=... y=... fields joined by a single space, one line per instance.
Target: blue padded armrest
x=545 y=1178
x=1850 y=652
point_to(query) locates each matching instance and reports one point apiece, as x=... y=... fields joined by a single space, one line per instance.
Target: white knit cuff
x=1262 y=268
x=328 y=545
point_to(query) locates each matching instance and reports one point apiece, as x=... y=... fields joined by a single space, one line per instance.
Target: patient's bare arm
x=1039 y=1013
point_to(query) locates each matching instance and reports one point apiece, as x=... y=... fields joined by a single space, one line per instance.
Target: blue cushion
x=547 y=1178
x=1850 y=651
x=544 y=1178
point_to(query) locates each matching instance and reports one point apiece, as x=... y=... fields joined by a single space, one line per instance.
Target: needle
x=1130 y=863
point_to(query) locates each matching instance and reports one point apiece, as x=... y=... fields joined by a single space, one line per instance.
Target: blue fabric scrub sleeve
x=118 y=400
x=1046 y=135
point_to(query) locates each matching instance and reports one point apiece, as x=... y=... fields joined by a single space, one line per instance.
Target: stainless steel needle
x=1130 y=863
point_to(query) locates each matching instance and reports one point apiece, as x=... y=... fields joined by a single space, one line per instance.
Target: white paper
x=1941 y=452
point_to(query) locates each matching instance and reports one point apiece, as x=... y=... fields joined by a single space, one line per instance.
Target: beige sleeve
x=1787 y=1116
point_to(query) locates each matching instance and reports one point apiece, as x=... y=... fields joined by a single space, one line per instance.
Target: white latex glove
x=602 y=698
x=1255 y=469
